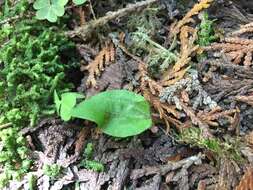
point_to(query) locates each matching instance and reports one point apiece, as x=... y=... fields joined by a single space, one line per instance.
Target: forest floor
x=193 y=62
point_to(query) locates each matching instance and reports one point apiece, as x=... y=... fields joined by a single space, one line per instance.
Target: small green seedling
x=66 y=104
x=93 y=165
x=88 y=163
x=119 y=113
x=206 y=33
x=88 y=151
x=52 y=171
x=52 y=9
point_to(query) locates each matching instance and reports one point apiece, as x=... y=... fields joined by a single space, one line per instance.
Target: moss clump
x=31 y=68
x=53 y=171
x=222 y=149
x=206 y=34
x=88 y=163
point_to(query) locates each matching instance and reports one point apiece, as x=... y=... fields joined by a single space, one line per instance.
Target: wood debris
x=85 y=31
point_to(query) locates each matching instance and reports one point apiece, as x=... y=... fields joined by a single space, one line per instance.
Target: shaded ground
x=156 y=159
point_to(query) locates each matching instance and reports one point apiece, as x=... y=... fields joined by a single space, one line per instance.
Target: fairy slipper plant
x=119 y=113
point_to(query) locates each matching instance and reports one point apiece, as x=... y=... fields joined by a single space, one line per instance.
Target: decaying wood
x=164 y=169
x=227 y=64
x=228 y=175
x=86 y=30
x=79 y=146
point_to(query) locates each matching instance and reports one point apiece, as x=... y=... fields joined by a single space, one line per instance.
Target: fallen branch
x=85 y=31
x=164 y=169
x=4 y=126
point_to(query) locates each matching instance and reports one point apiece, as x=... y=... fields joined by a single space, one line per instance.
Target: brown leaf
x=104 y=57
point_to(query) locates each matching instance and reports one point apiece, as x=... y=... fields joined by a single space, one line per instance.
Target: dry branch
x=85 y=31
x=247 y=28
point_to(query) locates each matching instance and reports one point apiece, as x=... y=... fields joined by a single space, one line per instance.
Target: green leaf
x=58 y=10
x=65 y=105
x=41 y=14
x=118 y=113
x=40 y=4
x=79 y=2
x=60 y=2
x=49 y=10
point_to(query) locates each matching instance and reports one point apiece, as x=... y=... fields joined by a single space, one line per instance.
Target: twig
x=10 y=19
x=5 y=125
x=85 y=31
x=164 y=169
x=92 y=10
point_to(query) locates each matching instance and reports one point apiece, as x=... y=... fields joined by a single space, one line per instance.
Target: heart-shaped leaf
x=40 y=4
x=49 y=10
x=118 y=113
x=60 y=2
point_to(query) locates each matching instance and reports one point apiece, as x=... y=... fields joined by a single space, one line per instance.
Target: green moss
x=206 y=34
x=88 y=151
x=53 y=171
x=31 y=68
x=32 y=179
x=13 y=8
x=93 y=165
x=88 y=163
x=31 y=71
x=221 y=148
